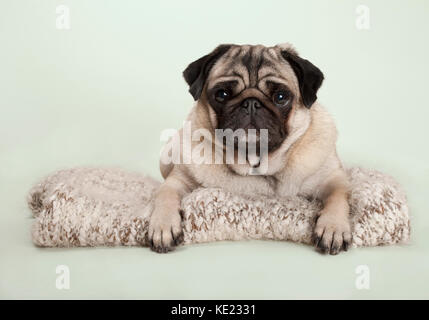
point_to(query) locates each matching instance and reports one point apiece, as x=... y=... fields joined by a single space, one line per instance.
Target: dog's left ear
x=309 y=76
x=197 y=72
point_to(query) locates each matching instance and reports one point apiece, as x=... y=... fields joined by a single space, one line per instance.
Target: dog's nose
x=251 y=105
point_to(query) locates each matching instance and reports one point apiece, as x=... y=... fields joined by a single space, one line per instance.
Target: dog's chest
x=284 y=187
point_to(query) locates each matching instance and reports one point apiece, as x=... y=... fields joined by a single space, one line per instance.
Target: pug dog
x=257 y=87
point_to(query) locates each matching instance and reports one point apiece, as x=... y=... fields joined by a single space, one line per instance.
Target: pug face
x=254 y=87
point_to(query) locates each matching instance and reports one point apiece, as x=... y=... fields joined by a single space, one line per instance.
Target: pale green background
x=101 y=93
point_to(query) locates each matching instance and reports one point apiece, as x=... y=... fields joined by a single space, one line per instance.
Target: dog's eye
x=221 y=95
x=281 y=98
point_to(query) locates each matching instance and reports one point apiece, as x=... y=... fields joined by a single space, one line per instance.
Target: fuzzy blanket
x=96 y=207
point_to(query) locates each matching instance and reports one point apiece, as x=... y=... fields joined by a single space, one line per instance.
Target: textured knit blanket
x=96 y=207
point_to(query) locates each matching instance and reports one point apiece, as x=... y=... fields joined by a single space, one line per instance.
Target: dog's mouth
x=252 y=149
x=257 y=131
x=254 y=161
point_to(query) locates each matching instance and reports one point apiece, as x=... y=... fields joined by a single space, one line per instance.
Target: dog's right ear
x=197 y=72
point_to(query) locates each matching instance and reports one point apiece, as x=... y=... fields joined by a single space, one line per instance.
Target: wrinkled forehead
x=251 y=65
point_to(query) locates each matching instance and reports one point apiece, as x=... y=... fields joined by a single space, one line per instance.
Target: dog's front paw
x=332 y=233
x=165 y=231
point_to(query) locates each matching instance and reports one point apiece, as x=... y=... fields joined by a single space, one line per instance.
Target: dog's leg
x=165 y=225
x=332 y=232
